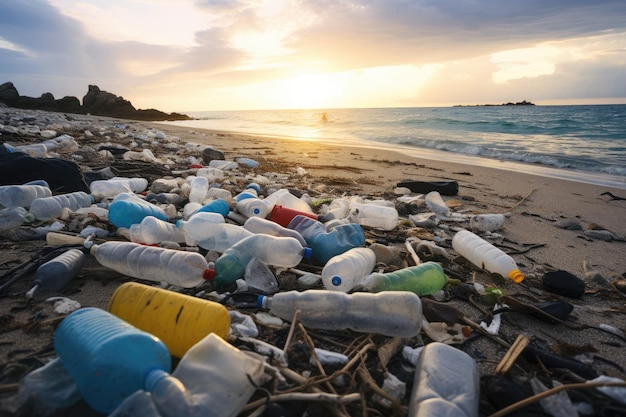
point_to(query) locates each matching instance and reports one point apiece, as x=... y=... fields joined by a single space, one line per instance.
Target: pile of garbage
x=244 y=295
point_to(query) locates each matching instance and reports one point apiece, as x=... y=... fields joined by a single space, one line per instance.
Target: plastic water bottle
x=325 y=244
x=221 y=236
x=47 y=208
x=252 y=207
x=268 y=227
x=487 y=222
x=108 y=358
x=343 y=271
x=11 y=218
x=12 y=196
x=374 y=215
x=199 y=189
x=422 y=279
x=185 y=269
x=179 y=320
x=215 y=192
x=128 y=209
x=390 y=313
x=210 y=173
x=284 y=198
x=216 y=206
x=446 y=383
x=284 y=215
x=58 y=272
x=152 y=230
x=113 y=186
x=284 y=252
x=199 y=225
x=485 y=255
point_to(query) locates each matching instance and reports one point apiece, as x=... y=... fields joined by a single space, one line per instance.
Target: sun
x=309 y=91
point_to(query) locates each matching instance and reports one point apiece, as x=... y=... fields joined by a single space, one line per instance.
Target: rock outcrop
x=96 y=102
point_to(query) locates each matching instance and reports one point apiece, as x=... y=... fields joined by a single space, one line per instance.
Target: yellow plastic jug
x=179 y=320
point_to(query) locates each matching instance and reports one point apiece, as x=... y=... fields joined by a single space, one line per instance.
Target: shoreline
x=575 y=175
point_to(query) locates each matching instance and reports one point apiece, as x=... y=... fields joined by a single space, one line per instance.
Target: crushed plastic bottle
x=268 y=227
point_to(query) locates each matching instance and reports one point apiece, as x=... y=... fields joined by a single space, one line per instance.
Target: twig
x=319 y=396
x=521 y=201
x=531 y=400
x=292 y=328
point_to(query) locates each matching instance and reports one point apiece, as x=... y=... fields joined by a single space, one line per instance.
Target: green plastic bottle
x=422 y=279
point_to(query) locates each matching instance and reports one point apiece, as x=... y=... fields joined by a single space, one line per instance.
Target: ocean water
x=583 y=142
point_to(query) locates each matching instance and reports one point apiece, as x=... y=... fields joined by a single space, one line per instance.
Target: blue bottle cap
x=336 y=280
x=260 y=301
x=307 y=252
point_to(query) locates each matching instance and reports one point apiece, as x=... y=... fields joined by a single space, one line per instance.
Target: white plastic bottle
x=390 y=313
x=222 y=236
x=252 y=207
x=374 y=215
x=343 y=271
x=199 y=189
x=110 y=188
x=185 y=269
x=12 y=196
x=152 y=230
x=268 y=227
x=485 y=255
x=47 y=208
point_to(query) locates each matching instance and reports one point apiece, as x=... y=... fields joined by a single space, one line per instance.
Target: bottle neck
x=153 y=377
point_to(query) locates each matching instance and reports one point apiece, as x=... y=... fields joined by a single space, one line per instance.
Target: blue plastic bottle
x=128 y=209
x=216 y=206
x=324 y=244
x=108 y=358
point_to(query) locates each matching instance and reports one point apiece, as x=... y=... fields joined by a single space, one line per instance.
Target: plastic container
x=284 y=215
x=12 y=218
x=219 y=193
x=446 y=383
x=199 y=189
x=152 y=230
x=216 y=206
x=179 y=320
x=284 y=198
x=487 y=222
x=284 y=252
x=199 y=225
x=128 y=209
x=486 y=256
x=422 y=279
x=112 y=187
x=390 y=313
x=374 y=215
x=108 y=358
x=343 y=271
x=213 y=379
x=220 y=236
x=185 y=269
x=252 y=207
x=210 y=173
x=12 y=196
x=47 y=208
x=325 y=244
x=59 y=271
x=268 y=227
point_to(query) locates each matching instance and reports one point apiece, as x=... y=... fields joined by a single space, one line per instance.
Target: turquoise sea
x=583 y=142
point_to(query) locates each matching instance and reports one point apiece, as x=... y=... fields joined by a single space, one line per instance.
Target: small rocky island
x=96 y=103
x=510 y=103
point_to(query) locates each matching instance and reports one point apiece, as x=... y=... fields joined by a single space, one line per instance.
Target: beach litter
x=253 y=323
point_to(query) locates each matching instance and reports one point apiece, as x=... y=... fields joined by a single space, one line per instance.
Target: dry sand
x=534 y=205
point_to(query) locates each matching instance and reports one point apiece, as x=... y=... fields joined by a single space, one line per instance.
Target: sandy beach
x=536 y=208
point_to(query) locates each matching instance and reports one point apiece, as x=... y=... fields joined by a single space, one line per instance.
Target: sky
x=188 y=55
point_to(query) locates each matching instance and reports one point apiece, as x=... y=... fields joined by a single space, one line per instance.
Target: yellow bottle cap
x=516 y=276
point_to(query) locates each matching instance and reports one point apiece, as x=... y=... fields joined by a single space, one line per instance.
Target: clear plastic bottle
x=268 y=227
x=325 y=244
x=182 y=268
x=221 y=236
x=252 y=207
x=199 y=189
x=11 y=218
x=128 y=209
x=152 y=230
x=47 y=208
x=113 y=186
x=390 y=313
x=485 y=255
x=108 y=358
x=179 y=320
x=284 y=198
x=58 y=272
x=374 y=215
x=422 y=279
x=343 y=271
x=199 y=225
x=284 y=252
x=12 y=196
